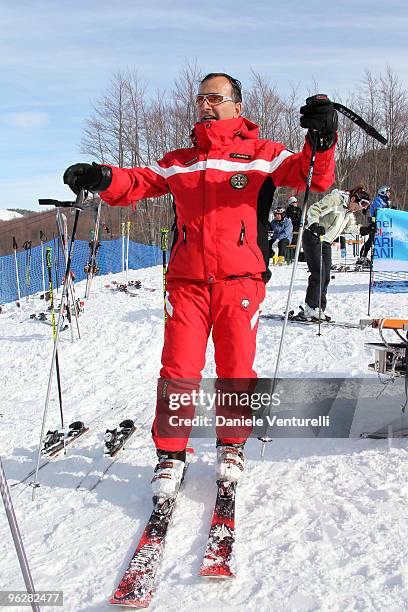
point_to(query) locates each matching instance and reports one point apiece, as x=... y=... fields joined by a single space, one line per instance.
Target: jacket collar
x=216 y=134
x=345 y=196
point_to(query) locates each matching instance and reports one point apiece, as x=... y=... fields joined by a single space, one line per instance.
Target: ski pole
x=345 y=252
x=371 y=131
x=127 y=248
x=17 y=539
x=265 y=438
x=94 y=249
x=164 y=245
x=370 y=281
x=42 y=240
x=54 y=334
x=54 y=251
x=27 y=248
x=123 y=246
x=320 y=282
x=17 y=276
x=62 y=227
x=62 y=224
x=78 y=207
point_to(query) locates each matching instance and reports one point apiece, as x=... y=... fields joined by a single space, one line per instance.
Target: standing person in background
x=223 y=187
x=281 y=230
x=294 y=213
x=382 y=200
x=328 y=218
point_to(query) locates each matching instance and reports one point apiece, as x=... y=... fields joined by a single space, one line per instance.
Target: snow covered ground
x=321 y=524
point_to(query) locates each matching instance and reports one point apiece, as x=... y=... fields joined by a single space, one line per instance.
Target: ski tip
x=130 y=600
x=216 y=571
x=130 y=603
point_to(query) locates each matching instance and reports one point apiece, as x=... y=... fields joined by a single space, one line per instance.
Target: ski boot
x=230 y=461
x=307 y=313
x=168 y=473
x=280 y=261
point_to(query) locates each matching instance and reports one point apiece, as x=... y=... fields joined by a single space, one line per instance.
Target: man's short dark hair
x=236 y=85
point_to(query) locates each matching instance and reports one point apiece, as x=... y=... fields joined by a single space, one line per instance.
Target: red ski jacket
x=223 y=188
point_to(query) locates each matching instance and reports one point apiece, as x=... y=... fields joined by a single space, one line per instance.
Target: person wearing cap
x=327 y=219
x=223 y=187
x=294 y=213
x=381 y=200
x=281 y=230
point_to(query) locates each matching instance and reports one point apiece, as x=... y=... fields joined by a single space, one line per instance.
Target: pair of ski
x=292 y=318
x=137 y=586
x=345 y=268
x=128 y=288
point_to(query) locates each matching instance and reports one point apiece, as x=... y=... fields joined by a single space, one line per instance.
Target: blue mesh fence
x=390 y=282
x=29 y=264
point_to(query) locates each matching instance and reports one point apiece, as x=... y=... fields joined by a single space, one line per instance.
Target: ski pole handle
x=56 y=203
x=79 y=202
x=164 y=245
x=164 y=239
x=48 y=256
x=14 y=243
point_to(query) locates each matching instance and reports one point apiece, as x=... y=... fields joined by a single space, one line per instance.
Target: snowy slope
x=322 y=524
x=7 y=215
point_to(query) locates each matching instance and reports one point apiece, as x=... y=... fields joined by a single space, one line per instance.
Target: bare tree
x=292 y=134
x=105 y=131
x=264 y=107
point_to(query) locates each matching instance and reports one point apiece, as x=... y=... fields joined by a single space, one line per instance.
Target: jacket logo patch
x=239 y=181
x=240 y=156
x=245 y=303
x=191 y=161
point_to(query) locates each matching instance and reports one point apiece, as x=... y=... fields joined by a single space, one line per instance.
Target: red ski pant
x=230 y=309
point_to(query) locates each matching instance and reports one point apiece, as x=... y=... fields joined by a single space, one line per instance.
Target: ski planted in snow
x=115 y=441
x=217 y=560
x=136 y=587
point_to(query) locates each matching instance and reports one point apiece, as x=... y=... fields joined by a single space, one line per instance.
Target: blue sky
x=56 y=58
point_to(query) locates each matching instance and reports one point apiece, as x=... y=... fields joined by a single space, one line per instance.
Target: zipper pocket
x=184 y=241
x=243 y=238
x=242 y=234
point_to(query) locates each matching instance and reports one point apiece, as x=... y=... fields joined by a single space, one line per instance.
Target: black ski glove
x=317 y=230
x=91 y=177
x=319 y=116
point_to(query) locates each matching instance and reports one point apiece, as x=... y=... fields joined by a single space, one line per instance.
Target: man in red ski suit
x=223 y=187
